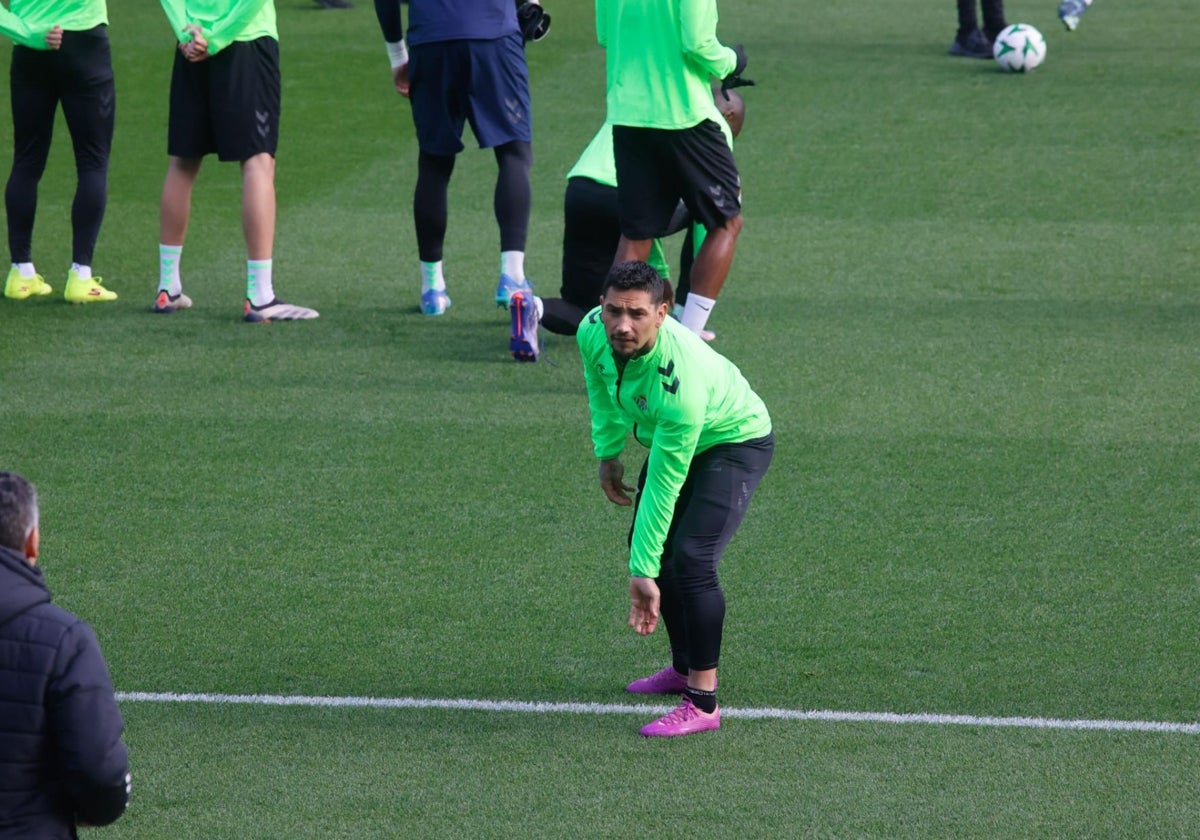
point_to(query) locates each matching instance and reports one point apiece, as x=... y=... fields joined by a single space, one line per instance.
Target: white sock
x=512 y=263
x=26 y=269
x=84 y=271
x=695 y=311
x=431 y=276
x=258 y=282
x=168 y=269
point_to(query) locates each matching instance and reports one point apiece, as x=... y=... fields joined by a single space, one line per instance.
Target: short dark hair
x=18 y=510
x=633 y=275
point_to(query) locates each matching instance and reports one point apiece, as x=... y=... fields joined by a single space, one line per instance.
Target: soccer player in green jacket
x=710 y=443
x=661 y=58
x=61 y=57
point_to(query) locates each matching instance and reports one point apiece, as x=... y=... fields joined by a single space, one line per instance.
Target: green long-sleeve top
x=661 y=58
x=26 y=22
x=222 y=21
x=680 y=398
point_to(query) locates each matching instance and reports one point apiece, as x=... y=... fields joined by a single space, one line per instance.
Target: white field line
x=624 y=709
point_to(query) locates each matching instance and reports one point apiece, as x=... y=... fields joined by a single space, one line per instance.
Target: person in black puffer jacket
x=62 y=761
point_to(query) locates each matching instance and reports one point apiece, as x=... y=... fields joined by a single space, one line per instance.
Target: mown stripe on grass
x=463 y=704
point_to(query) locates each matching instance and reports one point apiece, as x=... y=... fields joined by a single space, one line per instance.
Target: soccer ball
x=1019 y=48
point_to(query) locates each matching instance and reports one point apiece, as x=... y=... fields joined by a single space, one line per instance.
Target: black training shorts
x=228 y=104
x=657 y=167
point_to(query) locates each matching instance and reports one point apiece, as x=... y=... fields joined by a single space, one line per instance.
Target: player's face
x=631 y=321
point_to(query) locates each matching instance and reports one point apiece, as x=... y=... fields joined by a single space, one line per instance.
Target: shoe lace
x=682 y=713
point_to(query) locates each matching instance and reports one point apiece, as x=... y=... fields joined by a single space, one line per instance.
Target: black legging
x=993 y=17
x=512 y=202
x=79 y=76
x=712 y=502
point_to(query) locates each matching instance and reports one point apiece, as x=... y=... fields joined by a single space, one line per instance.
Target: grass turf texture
x=968 y=298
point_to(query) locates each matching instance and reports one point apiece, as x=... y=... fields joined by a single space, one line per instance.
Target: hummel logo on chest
x=666 y=372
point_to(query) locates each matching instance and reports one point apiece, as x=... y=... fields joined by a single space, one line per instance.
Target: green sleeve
x=609 y=430
x=698 y=34
x=177 y=17
x=227 y=29
x=19 y=31
x=602 y=23
x=671 y=453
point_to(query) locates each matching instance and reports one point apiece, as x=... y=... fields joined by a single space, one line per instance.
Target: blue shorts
x=483 y=82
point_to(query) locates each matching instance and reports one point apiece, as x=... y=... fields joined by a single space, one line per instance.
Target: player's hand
x=734 y=79
x=400 y=80
x=611 y=473
x=644 y=598
x=197 y=50
x=54 y=37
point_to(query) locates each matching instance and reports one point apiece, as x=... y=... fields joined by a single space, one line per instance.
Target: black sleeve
x=86 y=725
x=388 y=12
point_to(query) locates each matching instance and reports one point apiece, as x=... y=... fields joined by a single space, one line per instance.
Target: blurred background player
x=225 y=98
x=61 y=55
x=661 y=58
x=1070 y=11
x=463 y=61
x=970 y=41
x=592 y=226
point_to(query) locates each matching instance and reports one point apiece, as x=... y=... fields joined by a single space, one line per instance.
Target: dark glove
x=533 y=20
x=734 y=79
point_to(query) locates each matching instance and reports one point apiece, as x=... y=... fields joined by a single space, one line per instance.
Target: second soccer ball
x=1019 y=48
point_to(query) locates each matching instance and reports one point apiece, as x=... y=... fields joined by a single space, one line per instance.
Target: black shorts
x=484 y=82
x=656 y=168
x=228 y=104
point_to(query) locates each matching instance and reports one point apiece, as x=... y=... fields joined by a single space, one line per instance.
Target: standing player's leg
x=175 y=211
x=499 y=109
x=246 y=96
x=438 y=74
x=969 y=41
x=34 y=97
x=712 y=264
x=994 y=21
x=512 y=203
x=712 y=191
x=633 y=249
x=258 y=206
x=89 y=106
x=431 y=215
x=189 y=139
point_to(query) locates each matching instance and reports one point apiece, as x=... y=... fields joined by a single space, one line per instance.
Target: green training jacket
x=26 y=22
x=661 y=57
x=222 y=21
x=681 y=398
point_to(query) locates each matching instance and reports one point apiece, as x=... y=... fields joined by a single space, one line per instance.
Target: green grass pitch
x=968 y=298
